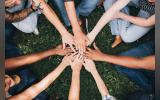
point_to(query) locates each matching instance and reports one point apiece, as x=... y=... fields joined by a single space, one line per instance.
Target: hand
x=76 y=63
x=80 y=42
x=11 y=3
x=89 y=65
x=94 y=54
x=67 y=60
x=62 y=52
x=68 y=39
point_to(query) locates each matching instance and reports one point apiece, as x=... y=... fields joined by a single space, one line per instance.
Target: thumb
x=64 y=45
x=95 y=47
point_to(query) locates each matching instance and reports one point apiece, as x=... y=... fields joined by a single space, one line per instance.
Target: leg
x=59 y=4
x=134 y=32
x=30 y=23
x=116 y=24
x=143 y=78
x=86 y=7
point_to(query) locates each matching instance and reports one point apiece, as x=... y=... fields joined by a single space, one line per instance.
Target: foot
x=117 y=41
x=36 y=32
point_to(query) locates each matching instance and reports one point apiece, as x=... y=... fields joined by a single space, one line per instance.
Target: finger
x=89 y=49
x=95 y=47
x=81 y=48
x=72 y=48
x=64 y=45
x=84 y=46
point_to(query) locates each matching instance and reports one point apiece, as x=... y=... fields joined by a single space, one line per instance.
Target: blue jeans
x=129 y=32
x=144 y=78
x=84 y=8
x=27 y=77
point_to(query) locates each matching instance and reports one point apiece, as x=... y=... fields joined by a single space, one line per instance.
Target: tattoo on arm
x=17 y=16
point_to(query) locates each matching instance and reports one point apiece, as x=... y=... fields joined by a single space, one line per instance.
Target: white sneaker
x=36 y=32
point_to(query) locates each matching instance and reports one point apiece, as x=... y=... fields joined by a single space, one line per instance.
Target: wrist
x=76 y=71
x=93 y=72
x=77 y=31
x=104 y=57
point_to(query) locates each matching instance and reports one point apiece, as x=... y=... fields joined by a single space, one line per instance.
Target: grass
x=118 y=84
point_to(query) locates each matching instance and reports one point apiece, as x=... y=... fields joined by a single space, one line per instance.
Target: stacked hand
x=76 y=60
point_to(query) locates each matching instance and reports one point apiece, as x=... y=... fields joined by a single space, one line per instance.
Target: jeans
x=29 y=24
x=27 y=77
x=84 y=8
x=129 y=32
x=144 y=78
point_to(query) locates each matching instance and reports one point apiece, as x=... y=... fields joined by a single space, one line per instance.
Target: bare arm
x=76 y=66
x=74 y=91
x=100 y=83
x=138 y=20
x=16 y=62
x=126 y=61
x=79 y=36
x=70 y=7
x=132 y=62
x=107 y=16
x=51 y=16
x=90 y=67
x=17 y=16
x=67 y=38
x=37 y=88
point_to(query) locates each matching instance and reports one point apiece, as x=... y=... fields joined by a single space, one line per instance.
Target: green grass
x=118 y=84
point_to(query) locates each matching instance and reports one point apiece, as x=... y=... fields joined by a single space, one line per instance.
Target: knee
x=93 y=3
x=127 y=39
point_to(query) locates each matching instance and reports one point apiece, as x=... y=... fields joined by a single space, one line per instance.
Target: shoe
x=16 y=79
x=84 y=24
x=108 y=97
x=36 y=32
x=117 y=41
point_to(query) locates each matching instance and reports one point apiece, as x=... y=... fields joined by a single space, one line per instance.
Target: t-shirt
x=146 y=6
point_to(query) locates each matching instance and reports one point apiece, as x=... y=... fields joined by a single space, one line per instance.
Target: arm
x=76 y=66
x=17 y=16
x=107 y=16
x=70 y=7
x=100 y=83
x=15 y=62
x=90 y=67
x=138 y=20
x=67 y=38
x=130 y=62
x=79 y=36
x=35 y=89
x=74 y=91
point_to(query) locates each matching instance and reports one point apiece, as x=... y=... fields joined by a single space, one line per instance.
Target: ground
x=118 y=84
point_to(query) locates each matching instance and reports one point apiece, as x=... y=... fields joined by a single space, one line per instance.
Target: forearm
x=70 y=7
x=75 y=86
x=100 y=84
x=17 y=16
x=138 y=20
x=131 y=62
x=108 y=15
x=52 y=17
x=51 y=77
x=37 y=88
x=15 y=62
